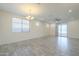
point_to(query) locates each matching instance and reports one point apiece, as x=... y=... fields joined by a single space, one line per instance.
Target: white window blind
x=20 y=25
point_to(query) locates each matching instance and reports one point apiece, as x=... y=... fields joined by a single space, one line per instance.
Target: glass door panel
x=62 y=30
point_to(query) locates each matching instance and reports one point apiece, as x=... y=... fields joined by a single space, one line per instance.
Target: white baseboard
x=22 y=40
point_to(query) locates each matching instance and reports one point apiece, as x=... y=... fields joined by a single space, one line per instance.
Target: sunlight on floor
x=63 y=43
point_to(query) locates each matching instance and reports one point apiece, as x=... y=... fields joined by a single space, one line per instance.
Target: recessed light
x=69 y=10
x=37 y=23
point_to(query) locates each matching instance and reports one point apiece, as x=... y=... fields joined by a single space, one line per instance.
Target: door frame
x=56 y=31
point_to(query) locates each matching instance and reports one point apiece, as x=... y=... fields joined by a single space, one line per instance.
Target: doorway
x=62 y=30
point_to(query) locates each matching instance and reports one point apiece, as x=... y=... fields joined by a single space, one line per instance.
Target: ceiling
x=47 y=12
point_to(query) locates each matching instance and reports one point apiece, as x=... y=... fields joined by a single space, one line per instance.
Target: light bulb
x=29 y=16
x=32 y=17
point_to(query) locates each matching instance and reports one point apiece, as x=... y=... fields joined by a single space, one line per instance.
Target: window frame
x=28 y=30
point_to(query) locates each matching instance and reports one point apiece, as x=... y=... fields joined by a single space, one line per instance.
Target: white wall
x=73 y=29
x=52 y=29
x=7 y=36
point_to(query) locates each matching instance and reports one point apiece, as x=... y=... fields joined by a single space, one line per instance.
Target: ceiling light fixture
x=57 y=20
x=69 y=10
x=29 y=17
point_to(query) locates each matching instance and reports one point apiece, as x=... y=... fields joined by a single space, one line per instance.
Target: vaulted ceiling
x=47 y=12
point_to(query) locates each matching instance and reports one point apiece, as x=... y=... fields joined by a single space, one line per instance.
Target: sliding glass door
x=62 y=29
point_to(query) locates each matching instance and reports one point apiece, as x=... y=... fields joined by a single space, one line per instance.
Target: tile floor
x=46 y=46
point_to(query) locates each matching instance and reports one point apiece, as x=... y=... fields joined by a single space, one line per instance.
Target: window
x=20 y=25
